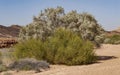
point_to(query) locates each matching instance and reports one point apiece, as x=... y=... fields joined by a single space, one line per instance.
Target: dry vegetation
x=63 y=39
x=109 y=66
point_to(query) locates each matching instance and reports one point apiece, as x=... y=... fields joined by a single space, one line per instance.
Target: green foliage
x=63 y=47
x=66 y=47
x=114 y=39
x=44 y=25
x=30 y=48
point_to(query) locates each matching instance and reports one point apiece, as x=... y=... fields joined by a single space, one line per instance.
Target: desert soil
x=103 y=67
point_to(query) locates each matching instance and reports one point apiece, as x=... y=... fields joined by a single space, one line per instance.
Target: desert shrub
x=7 y=55
x=31 y=48
x=29 y=64
x=63 y=47
x=66 y=47
x=114 y=39
x=44 y=25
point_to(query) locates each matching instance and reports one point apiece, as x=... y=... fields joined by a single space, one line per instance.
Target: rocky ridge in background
x=8 y=35
x=113 y=32
x=10 y=31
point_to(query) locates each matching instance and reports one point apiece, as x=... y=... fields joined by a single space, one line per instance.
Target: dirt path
x=104 y=67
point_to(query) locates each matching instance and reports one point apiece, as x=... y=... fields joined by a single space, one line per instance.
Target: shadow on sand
x=105 y=57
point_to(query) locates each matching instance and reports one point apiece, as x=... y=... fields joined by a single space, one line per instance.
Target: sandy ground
x=103 y=67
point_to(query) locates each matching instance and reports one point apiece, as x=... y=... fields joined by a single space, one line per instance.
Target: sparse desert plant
x=29 y=64
x=7 y=55
x=114 y=39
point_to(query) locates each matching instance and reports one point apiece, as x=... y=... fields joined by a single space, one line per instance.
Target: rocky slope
x=8 y=35
x=113 y=32
x=118 y=29
x=10 y=31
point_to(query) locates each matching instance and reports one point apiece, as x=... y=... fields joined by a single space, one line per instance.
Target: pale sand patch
x=104 y=67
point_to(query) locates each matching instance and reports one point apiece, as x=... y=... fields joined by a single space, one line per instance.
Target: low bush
x=30 y=48
x=63 y=47
x=29 y=64
x=114 y=39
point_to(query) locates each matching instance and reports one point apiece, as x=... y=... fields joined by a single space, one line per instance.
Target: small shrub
x=31 y=48
x=7 y=56
x=114 y=39
x=29 y=64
